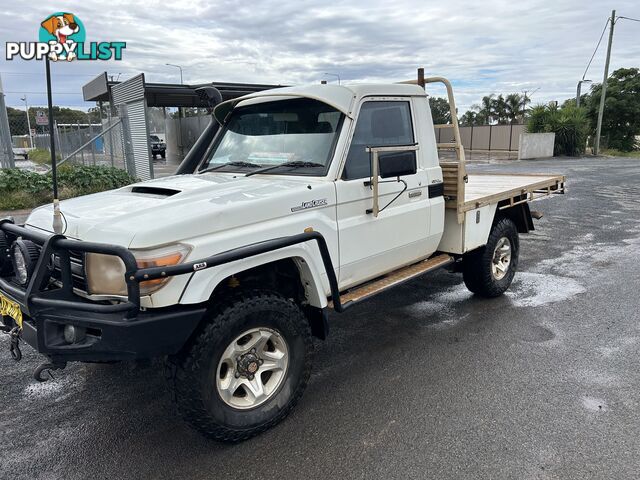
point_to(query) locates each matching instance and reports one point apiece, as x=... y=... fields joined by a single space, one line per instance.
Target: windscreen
x=273 y=133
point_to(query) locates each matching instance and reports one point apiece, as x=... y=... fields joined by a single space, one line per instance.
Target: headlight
x=105 y=273
x=25 y=257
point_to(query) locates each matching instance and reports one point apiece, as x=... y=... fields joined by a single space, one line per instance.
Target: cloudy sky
x=490 y=46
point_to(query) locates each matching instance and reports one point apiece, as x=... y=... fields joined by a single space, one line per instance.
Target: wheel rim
x=252 y=368
x=501 y=259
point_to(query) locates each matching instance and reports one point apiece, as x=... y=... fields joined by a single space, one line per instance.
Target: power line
x=628 y=18
x=597 y=46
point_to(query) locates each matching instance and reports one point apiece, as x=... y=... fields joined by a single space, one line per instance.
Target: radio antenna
x=57 y=216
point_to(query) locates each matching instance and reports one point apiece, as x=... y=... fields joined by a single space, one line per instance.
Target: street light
x=578 y=90
x=177 y=66
x=333 y=75
x=26 y=109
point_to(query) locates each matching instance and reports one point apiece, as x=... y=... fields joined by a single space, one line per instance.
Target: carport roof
x=170 y=94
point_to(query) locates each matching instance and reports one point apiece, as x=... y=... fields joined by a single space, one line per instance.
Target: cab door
x=371 y=246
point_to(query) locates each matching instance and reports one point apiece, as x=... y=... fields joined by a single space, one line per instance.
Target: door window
x=380 y=123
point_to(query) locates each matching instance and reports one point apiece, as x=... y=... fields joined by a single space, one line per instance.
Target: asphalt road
x=425 y=381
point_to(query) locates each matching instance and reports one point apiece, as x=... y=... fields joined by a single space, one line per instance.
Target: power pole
x=596 y=145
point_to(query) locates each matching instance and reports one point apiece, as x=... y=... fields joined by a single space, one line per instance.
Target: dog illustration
x=61 y=27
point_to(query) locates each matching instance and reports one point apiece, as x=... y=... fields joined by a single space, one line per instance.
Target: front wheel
x=246 y=370
x=488 y=271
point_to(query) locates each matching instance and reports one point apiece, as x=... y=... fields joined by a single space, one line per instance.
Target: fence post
x=6 y=148
x=57 y=138
x=510 y=135
x=110 y=134
x=93 y=144
x=490 y=129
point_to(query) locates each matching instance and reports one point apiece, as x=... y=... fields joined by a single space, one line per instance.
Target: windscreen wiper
x=231 y=164
x=294 y=164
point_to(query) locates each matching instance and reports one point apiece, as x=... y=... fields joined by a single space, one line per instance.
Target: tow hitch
x=43 y=372
x=14 y=344
x=38 y=373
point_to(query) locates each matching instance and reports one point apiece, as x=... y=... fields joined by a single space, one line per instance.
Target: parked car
x=308 y=200
x=158 y=147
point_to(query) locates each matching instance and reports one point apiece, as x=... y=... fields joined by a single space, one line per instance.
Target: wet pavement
x=425 y=381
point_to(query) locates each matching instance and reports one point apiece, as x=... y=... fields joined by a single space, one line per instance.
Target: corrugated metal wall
x=129 y=98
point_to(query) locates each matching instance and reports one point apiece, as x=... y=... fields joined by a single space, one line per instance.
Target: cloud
x=483 y=47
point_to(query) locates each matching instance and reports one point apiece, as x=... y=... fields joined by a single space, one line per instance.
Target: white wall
x=536 y=145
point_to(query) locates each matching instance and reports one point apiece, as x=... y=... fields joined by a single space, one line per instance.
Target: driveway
x=425 y=381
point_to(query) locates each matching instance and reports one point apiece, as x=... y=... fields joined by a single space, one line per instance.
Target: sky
x=483 y=47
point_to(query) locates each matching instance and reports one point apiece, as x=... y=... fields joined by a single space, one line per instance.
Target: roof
x=341 y=97
x=170 y=94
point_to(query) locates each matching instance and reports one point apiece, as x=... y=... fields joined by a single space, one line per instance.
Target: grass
x=41 y=156
x=618 y=153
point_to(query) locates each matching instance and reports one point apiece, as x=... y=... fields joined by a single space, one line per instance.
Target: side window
x=380 y=123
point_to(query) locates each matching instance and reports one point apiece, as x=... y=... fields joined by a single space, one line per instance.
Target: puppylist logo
x=62 y=36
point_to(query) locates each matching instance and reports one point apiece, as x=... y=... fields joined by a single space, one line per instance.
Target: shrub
x=537 y=119
x=569 y=123
x=26 y=189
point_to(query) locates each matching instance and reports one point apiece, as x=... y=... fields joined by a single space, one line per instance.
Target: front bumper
x=110 y=337
x=114 y=331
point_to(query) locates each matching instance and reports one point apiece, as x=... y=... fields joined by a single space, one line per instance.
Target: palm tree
x=514 y=105
x=500 y=109
x=485 y=110
x=469 y=118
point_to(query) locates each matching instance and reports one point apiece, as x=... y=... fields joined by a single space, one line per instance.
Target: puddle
x=594 y=404
x=537 y=289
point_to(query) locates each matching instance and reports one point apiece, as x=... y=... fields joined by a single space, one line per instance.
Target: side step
x=393 y=279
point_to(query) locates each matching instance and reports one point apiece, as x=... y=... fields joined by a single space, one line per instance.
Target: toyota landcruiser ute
x=306 y=200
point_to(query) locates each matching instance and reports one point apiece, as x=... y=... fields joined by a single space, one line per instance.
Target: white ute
x=307 y=199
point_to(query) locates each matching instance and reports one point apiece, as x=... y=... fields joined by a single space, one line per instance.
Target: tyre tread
x=181 y=370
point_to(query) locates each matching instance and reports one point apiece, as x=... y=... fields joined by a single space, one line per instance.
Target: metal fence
x=485 y=137
x=6 y=150
x=89 y=143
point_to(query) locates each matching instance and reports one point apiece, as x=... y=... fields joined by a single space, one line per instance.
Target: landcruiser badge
x=311 y=204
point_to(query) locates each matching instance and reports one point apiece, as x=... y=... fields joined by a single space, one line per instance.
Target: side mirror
x=397 y=164
x=390 y=161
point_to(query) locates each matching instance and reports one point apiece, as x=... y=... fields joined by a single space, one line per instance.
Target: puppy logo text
x=311 y=204
x=62 y=36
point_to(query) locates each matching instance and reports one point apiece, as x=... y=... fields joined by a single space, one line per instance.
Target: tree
x=621 y=120
x=485 y=110
x=470 y=118
x=440 y=110
x=516 y=107
x=18 y=118
x=499 y=107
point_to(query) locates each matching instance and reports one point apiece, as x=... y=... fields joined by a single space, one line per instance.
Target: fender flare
x=202 y=284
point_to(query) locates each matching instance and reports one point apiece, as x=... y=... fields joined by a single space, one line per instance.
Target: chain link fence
x=90 y=141
x=98 y=139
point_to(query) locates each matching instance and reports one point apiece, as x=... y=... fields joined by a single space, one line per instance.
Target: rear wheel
x=247 y=369
x=489 y=270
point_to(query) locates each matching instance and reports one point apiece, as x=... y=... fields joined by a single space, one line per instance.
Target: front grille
x=78 y=275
